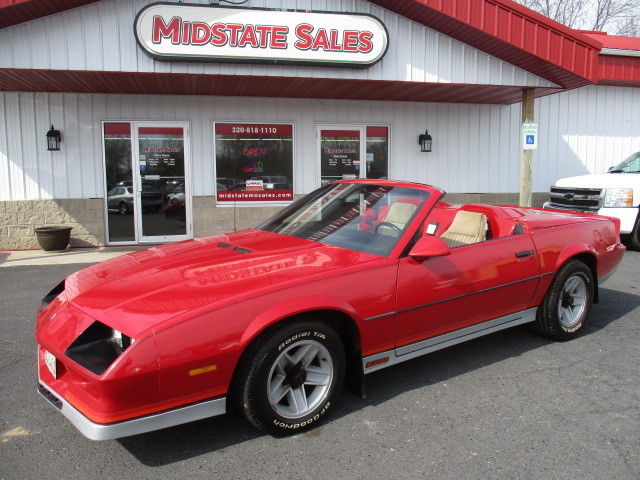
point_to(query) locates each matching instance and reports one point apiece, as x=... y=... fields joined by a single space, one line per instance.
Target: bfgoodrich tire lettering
x=563 y=312
x=291 y=377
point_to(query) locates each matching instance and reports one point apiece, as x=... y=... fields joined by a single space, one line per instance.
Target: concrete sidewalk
x=71 y=255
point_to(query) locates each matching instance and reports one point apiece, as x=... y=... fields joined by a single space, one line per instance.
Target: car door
x=473 y=284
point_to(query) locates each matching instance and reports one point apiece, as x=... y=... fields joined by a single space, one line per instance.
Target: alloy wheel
x=300 y=379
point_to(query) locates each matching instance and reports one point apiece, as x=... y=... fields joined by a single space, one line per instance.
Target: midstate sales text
x=307 y=37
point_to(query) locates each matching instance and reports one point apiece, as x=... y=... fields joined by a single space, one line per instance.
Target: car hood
x=602 y=180
x=135 y=292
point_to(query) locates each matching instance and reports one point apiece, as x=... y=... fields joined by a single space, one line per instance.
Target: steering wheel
x=392 y=226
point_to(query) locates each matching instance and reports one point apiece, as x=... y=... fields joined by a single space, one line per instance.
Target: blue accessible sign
x=529 y=136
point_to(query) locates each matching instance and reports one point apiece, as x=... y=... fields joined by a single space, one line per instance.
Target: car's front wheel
x=563 y=312
x=291 y=377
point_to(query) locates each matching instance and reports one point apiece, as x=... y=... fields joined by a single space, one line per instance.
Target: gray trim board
x=413 y=350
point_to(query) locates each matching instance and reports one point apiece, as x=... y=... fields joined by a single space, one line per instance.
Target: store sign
x=178 y=31
x=254 y=184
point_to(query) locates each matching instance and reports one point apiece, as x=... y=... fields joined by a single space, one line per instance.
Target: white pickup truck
x=615 y=194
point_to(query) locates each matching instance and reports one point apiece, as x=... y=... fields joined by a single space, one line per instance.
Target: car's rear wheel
x=291 y=377
x=563 y=312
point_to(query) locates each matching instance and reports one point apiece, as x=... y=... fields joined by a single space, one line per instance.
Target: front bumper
x=169 y=418
x=627 y=215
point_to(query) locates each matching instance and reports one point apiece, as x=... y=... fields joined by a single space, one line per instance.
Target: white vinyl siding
x=475 y=147
x=586 y=130
x=100 y=36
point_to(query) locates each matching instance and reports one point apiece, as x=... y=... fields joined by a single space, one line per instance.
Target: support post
x=526 y=156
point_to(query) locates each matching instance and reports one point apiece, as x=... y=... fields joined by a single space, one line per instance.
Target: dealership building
x=139 y=122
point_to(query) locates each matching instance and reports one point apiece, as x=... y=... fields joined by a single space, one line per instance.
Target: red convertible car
x=274 y=321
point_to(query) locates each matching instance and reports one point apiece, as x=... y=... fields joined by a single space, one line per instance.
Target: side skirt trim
x=417 y=349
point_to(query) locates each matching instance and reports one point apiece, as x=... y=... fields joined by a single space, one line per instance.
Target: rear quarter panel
x=555 y=245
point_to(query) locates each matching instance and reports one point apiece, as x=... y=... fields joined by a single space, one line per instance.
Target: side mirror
x=429 y=246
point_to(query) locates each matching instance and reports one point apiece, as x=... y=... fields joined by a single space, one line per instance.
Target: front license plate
x=50 y=360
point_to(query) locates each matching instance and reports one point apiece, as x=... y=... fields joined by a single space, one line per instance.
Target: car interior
x=456 y=225
x=460 y=225
x=371 y=219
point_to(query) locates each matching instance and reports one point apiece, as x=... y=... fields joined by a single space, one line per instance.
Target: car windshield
x=361 y=217
x=630 y=164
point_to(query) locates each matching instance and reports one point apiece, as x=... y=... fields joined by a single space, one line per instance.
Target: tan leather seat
x=466 y=228
x=398 y=215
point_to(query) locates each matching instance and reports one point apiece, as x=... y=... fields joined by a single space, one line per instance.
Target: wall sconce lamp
x=54 y=138
x=425 y=141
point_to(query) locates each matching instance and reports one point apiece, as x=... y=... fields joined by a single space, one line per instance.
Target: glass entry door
x=161 y=182
x=148 y=196
x=348 y=152
x=341 y=153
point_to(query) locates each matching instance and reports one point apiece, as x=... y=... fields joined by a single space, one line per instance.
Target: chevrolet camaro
x=273 y=322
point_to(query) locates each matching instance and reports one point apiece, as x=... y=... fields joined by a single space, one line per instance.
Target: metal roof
x=511 y=32
x=502 y=28
x=18 y=11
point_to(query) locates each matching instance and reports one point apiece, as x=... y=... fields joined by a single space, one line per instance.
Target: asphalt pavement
x=512 y=405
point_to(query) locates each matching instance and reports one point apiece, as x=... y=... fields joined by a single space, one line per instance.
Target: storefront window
x=254 y=162
x=119 y=179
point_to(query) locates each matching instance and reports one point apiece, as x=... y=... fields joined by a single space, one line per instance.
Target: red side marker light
x=375 y=363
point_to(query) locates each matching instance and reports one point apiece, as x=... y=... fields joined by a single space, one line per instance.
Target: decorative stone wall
x=86 y=216
x=209 y=219
x=19 y=218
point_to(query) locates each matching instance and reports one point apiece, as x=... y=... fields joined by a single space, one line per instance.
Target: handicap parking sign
x=529 y=136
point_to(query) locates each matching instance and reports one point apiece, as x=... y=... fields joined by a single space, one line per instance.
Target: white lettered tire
x=291 y=377
x=563 y=312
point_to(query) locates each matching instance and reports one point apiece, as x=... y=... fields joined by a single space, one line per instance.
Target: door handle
x=524 y=253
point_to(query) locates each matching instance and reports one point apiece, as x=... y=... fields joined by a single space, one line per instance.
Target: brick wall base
x=19 y=218
x=86 y=216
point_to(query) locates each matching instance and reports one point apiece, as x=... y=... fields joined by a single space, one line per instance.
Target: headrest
x=399 y=213
x=471 y=224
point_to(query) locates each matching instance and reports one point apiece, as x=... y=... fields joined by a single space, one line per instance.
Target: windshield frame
x=620 y=168
x=345 y=236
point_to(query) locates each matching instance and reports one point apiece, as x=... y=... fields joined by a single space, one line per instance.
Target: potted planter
x=53 y=238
